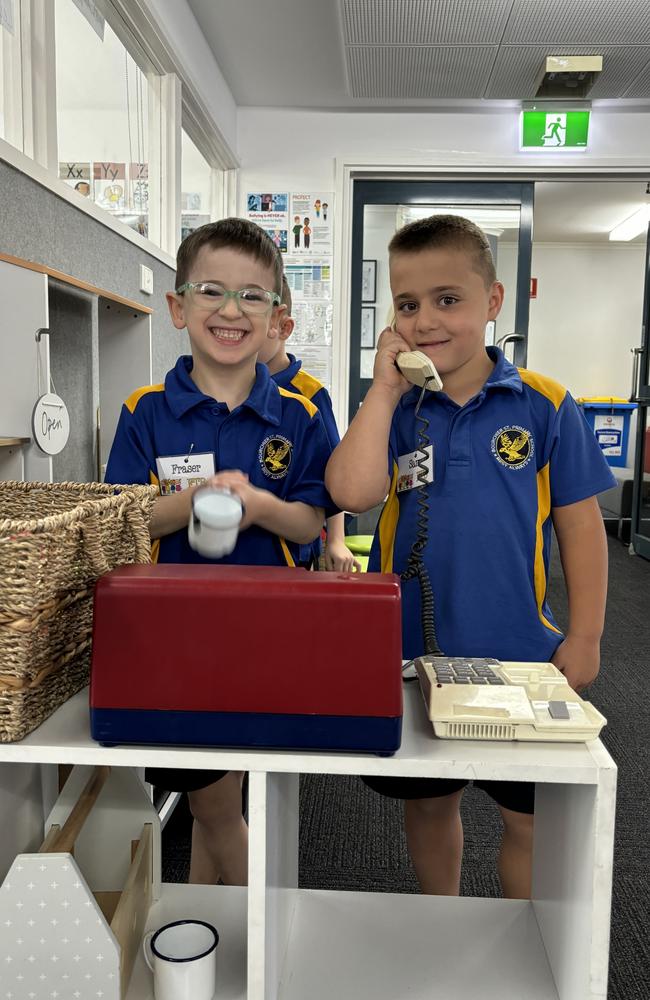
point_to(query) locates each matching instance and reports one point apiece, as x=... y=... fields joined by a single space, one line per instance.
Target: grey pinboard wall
x=73 y=369
x=38 y=226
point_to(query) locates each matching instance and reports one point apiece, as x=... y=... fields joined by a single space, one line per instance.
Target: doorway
x=504 y=210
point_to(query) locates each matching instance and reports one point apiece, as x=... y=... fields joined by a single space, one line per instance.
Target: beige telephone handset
x=418 y=369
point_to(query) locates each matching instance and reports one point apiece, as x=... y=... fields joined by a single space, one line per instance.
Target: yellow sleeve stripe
x=306 y=384
x=548 y=387
x=136 y=396
x=388 y=525
x=311 y=409
x=543 y=513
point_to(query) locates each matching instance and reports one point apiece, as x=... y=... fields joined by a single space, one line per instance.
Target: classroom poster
x=300 y=225
x=139 y=187
x=313 y=324
x=110 y=186
x=269 y=211
x=318 y=362
x=310 y=223
x=309 y=279
x=77 y=176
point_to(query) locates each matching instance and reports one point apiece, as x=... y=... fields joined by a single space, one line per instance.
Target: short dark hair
x=238 y=234
x=285 y=297
x=447 y=231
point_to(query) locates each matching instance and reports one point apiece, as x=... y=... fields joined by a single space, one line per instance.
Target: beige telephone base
x=418 y=369
x=486 y=699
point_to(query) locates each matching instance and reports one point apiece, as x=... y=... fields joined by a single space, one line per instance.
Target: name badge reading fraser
x=408 y=469
x=179 y=472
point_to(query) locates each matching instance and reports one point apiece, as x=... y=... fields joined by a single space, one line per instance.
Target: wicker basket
x=56 y=539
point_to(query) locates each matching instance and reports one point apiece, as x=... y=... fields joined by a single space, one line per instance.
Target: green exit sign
x=554 y=129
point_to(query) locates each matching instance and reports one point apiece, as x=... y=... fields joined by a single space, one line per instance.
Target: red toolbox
x=247 y=656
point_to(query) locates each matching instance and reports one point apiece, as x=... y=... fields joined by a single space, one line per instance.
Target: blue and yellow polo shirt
x=502 y=462
x=276 y=437
x=296 y=379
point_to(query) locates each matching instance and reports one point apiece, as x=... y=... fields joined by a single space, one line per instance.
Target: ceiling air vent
x=568 y=77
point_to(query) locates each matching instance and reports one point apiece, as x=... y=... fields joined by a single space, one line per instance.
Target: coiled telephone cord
x=415 y=564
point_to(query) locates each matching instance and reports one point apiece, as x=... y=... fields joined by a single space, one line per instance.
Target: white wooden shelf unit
x=279 y=942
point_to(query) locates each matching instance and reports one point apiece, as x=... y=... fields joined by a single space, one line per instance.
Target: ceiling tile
x=420 y=72
x=584 y=22
x=420 y=22
x=640 y=87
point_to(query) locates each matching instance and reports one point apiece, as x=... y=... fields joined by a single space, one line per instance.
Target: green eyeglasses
x=212 y=295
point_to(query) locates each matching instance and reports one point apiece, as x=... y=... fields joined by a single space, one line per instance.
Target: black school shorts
x=519 y=796
x=172 y=779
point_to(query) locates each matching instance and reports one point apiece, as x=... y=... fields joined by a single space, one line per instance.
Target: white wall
x=302 y=146
x=587 y=315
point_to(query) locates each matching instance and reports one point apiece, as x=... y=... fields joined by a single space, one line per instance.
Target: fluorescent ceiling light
x=634 y=226
x=492 y=219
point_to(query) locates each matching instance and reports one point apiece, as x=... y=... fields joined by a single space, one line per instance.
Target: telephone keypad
x=459 y=670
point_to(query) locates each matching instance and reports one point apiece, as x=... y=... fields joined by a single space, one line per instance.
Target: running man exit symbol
x=554 y=129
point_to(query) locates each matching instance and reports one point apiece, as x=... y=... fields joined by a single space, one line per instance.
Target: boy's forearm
x=170 y=513
x=356 y=476
x=583 y=550
x=336 y=529
x=293 y=520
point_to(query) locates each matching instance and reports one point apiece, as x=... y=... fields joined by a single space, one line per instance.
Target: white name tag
x=178 y=472
x=408 y=469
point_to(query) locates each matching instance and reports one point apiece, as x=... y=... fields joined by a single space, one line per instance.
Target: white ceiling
x=355 y=54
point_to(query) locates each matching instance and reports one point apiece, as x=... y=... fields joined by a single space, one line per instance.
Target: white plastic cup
x=183 y=958
x=214 y=522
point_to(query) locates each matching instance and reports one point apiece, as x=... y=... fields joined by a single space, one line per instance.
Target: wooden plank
x=130 y=917
x=64 y=842
x=108 y=901
x=13 y=442
x=76 y=282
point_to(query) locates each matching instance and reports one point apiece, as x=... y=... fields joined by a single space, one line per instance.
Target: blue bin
x=610 y=422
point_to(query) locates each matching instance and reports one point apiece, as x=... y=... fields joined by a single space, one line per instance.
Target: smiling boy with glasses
x=219 y=419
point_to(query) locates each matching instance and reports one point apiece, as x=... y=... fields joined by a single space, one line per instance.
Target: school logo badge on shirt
x=513 y=447
x=275 y=456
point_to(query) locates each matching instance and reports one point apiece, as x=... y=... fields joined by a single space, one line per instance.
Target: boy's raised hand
x=386 y=373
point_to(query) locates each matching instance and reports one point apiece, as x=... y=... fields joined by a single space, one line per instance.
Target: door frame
x=438 y=192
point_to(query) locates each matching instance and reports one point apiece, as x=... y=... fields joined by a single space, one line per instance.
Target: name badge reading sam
x=178 y=472
x=408 y=469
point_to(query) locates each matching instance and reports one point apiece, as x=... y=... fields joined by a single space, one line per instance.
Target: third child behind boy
x=289 y=374
x=513 y=458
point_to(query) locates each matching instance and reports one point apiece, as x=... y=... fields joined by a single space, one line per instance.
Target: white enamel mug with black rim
x=183 y=958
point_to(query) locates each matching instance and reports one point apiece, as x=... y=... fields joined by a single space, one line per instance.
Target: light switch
x=146 y=279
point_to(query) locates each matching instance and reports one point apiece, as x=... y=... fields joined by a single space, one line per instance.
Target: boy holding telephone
x=509 y=456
